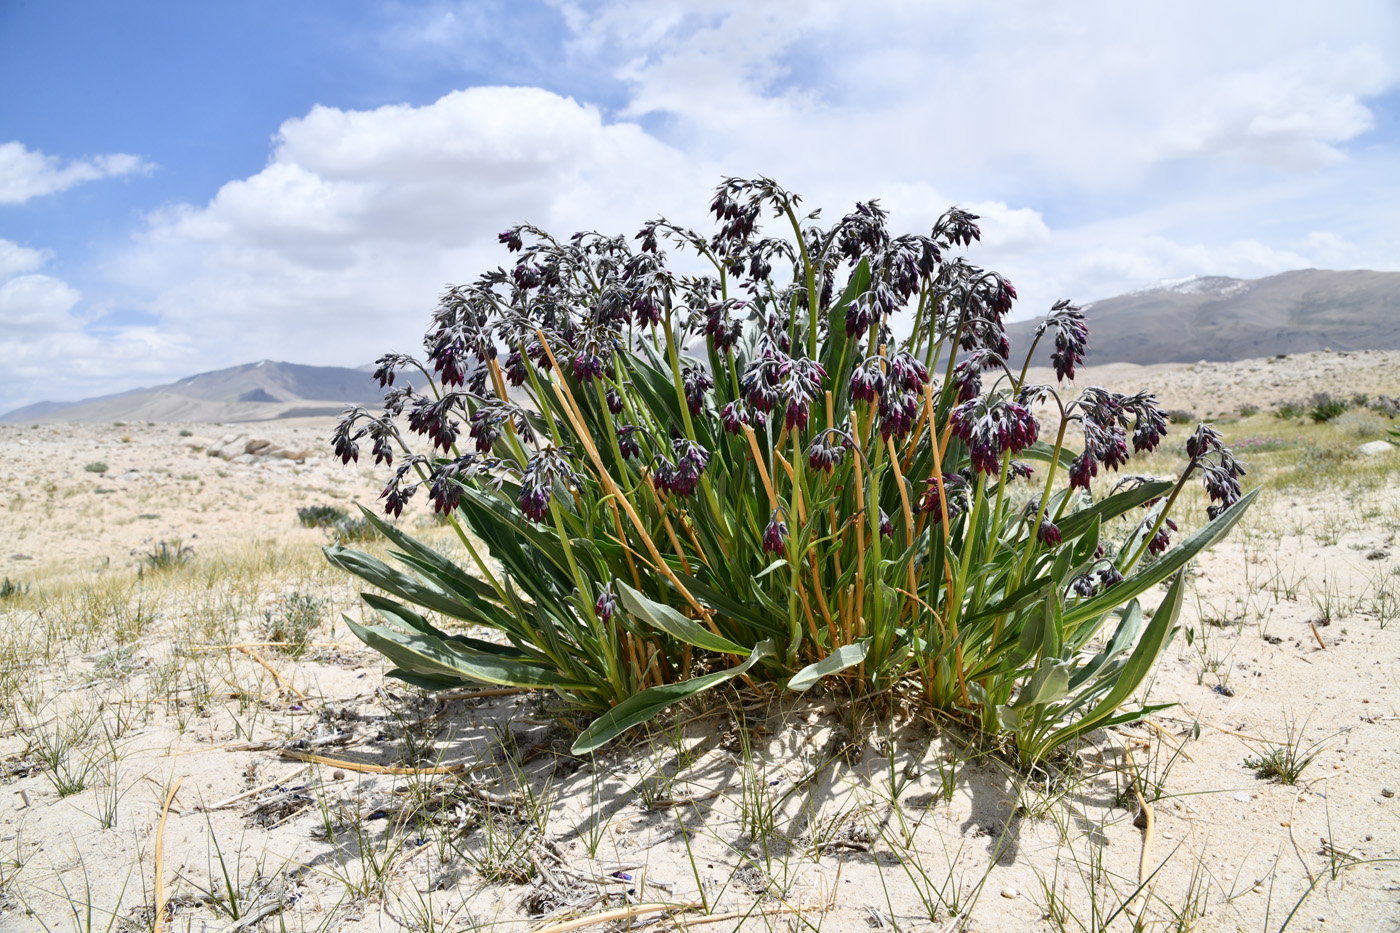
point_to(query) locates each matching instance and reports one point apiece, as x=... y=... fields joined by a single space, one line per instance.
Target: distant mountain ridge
x=1218 y=318
x=1214 y=318
x=259 y=391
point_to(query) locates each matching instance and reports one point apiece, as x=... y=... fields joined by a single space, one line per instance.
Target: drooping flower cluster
x=776 y=382
x=696 y=382
x=606 y=604
x=1106 y=418
x=1071 y=338
x=542 y=472
x=955 y=490
x=826 y=451
x=1095 y=581
x=993 y=428
x=1220 y=471
x=775 y=535
x=489 y=420
x=627 y=442
x=681 y=477
x=1161 y=540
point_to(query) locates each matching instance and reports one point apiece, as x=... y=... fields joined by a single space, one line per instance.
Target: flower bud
x=775 y=536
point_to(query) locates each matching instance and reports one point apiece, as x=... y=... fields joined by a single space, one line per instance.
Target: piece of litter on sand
x=1242 y=797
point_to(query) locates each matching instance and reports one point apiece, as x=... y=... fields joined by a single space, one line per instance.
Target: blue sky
x=185 y=186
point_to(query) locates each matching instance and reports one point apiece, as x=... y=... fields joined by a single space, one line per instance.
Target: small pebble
x=1010 y=893
x=1387 y=792
x=337 y=775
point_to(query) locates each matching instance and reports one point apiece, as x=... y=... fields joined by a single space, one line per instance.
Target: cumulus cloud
x=1106 y=146
x=1090 y=92
x=36 y=302
x=51 y=350
x=15 y=259
x=28 y=173
x=343 y=242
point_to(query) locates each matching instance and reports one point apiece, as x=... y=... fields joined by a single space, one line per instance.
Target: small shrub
x=354 y=529
x=337 y=522
x=167 y=555
x=1249 y=411
x=1290 y=410
x=1259 y=445
x=1361 y=423
x=320 y=516
x=292 y=621
x=186 y=432
x=96 y=466
x=1323 y=459
x=1387 y=406
x=1180 y=416
x=1323 y=406
x=10 y=588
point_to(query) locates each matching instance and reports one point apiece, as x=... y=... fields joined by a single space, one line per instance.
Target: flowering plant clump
x=799 y=465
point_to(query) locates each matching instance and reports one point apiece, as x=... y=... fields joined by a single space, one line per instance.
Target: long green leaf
x=641 y=707
x=410 y=589
x=1123 y=636
x=839 y=660
x=1159 y=570
x=407 y=618
x=1048 y=684
x=424 y=654
x=1135 y=671
x=663 y=618
x=1072 y=526
x=426 y=555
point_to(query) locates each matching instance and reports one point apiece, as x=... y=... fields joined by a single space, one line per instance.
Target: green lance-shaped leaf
x=839 y=660
x=641 y=707
x=425 y=655
x=1159 y=570
x=663 y=618
x=1134 y=672
x=1072 y=526
x=406 y=618
x=424 y=557
x=1048 y=684
x=405 y=587
x=1123 y=636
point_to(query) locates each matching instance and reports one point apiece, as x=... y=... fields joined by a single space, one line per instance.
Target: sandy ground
x=1295 y=638
x=158 y=486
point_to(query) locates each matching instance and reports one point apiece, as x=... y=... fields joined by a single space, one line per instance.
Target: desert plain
x=187 y=724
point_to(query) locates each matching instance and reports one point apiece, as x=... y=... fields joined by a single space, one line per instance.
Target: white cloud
x=28 y=173
x=1106 y=146
x=341 y=245
x=1092 y=92
x=35 y=303
x=15 y=259
x=51 y=350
